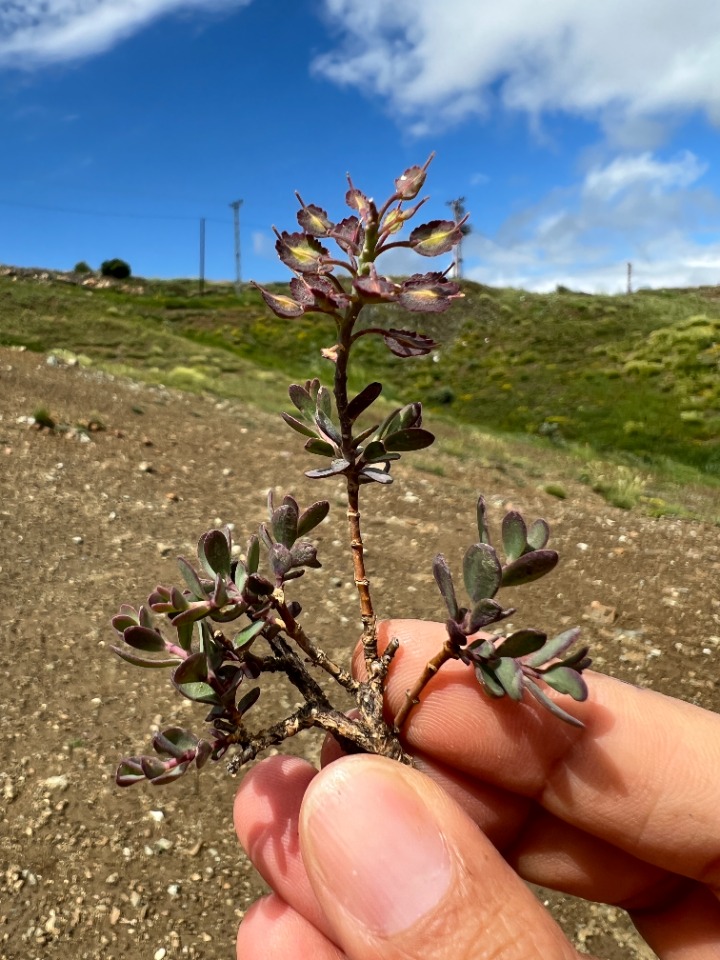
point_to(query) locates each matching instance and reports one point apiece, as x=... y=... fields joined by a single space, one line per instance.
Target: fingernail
x=375 y=844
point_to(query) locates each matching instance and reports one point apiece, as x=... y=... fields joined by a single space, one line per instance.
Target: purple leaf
x=514 y=535
x=482 y=571
x=349 y=235
x=407 y=343
x=521 y=643
x=313 y=219
x=301 y=253
x=550 y=705
x=359 y=403
x=129 y=771
x=174 y=742
x=336 y=467
x=137 y=661
x=443 y=578
x=280 y=304
x=410 y=183
x=428 y=293
x=379 y=476
x=413 y=438
x=374 y=288
x=356 y=200
x=312 y=516
x=554 y=648
x=529 y=567
x=436 y=237
x=143 y=638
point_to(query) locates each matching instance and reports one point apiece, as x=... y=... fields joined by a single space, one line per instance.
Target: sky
x=582 y=136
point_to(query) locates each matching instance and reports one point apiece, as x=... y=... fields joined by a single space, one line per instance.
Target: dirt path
x=90 y=871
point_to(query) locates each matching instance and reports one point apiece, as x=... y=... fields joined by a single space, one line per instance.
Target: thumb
x=402 y=872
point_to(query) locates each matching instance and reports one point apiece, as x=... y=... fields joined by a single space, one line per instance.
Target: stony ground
x=93 y=518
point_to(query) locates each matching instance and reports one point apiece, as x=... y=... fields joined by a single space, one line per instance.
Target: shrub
x=82 y=267
x=116 y=268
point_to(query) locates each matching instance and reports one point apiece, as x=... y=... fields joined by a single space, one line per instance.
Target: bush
x=82 y=267
x=116 y=268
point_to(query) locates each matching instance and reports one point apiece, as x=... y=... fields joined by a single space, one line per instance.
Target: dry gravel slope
x=90 y=871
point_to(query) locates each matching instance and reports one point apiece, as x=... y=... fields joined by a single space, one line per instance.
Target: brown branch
x=317 y=656
x=412 y=696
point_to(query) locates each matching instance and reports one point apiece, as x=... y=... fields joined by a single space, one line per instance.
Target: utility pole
x=629 y=278
x=236 y=204
x=458 y=208
x=201 y=281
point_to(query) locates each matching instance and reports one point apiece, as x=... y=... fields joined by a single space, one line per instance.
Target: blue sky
x=581 y=136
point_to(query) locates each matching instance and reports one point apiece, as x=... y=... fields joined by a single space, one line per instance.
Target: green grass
x=631 y=380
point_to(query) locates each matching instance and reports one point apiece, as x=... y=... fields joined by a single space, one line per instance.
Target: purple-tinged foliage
x=232 y=620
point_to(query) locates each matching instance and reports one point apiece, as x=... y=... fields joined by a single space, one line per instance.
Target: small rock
x=77 y=540
x=160 y=954
x=146 y=467
x=112 y=879
x=164 y=844
x=59 y=782
x=114 y=916
x=157 y=815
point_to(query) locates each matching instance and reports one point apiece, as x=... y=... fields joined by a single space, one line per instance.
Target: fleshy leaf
x=374 y=452
x=252 y=555
x=359 y=403
x=302 y=400
x=414 y=438
x=550 y=705
x=301 y=252
x=443 y=578
x=191 y=578
x=407 y=343
x=313 y=219
x=482 y=571
x=482 y=521
x=174 y=773
x=247 y=635
x=529 y=567
x=489 y=681
x=214 y=553
x=174 y=742
x=320 y=447
x=428 y=293
x=143 y=638
x=335 y=468
x=514 y=535
x=484 y=613
x=312 y=516
x=379 y=476
x=510 y=675
x=148 y=662
x=248 y=700
x=190 y=678
x=327 y=427
x=284 y=524
x=298 y=426
x=129 y=771
x=566 y=680
x=538 y=534
x=436 y=237
x=521 y=643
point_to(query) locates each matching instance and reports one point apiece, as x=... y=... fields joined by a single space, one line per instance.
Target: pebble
x=146 y=467
x=77 y=540
x=59 y=782
x=160 y=953
x=157 y=815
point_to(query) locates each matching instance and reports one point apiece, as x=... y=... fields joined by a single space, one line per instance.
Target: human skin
x=371 y=859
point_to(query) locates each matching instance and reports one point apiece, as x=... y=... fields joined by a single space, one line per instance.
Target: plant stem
x=345 y=337
x=412 y=696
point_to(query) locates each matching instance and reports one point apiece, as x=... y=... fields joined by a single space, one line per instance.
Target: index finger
x=643 y=774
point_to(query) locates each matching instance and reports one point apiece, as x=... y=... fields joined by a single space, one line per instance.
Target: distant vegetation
x=118 y=269
x=637 y=374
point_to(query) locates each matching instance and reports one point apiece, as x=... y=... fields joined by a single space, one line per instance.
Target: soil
x=90 y=519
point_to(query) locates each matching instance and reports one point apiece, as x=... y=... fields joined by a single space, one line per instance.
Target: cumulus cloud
x=652 y=212
x=629 y=60
x=46 y=31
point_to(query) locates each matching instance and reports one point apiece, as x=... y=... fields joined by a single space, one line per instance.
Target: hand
x=371 y=859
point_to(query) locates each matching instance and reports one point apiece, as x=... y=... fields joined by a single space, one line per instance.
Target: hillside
x=635 y=377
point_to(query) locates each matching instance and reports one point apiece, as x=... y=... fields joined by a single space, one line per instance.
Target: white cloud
x=630 y=59
x=46 y=31
x=636 y=208
x=628 y=171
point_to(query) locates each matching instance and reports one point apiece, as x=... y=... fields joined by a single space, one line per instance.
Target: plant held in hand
x=233 y=620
